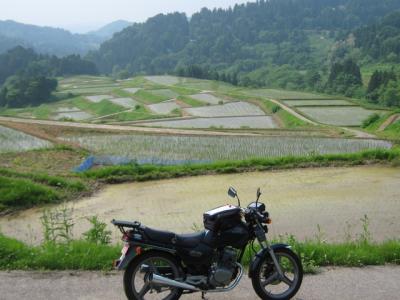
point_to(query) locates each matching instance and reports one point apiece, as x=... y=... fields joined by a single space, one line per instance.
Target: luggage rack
x=126 y=224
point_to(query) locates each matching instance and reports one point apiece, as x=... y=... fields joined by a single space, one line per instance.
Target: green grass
x=140 y=113
x=53 y=181
x=133 y=172
x=288 y=120
x=190 y=101
x=23 y=193
x=391 y=132
x=183 y=91
x=149 y=98
x=74 y=255
x=83 y=255
x=25 y=190
x=102 y=108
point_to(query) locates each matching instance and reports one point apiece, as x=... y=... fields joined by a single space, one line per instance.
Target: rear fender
x=257 y=259
x=124 y=261
x=131 y=256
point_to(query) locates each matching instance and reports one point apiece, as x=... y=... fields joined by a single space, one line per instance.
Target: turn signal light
x=268 y=221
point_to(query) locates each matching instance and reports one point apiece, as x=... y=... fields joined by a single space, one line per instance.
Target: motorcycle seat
x=164 y=237
x=181 y=240
x=189 y=240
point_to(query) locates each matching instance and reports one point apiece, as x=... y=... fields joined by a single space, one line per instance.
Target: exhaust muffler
x=157 y=279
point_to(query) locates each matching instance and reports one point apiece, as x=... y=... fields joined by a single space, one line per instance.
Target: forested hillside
x=26 y=78
x=46 y=40
x=240 y=40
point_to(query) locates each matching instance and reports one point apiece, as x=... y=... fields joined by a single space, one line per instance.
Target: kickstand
x=203 y=296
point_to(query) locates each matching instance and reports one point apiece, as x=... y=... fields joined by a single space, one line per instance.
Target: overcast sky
x=84 y=15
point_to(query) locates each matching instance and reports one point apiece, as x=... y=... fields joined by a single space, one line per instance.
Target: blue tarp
x=109 y=160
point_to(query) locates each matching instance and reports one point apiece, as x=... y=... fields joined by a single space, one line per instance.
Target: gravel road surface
x=331 y=283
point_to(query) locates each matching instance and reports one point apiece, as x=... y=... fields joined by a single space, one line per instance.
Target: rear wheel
x=269 y=285
x=136 y=278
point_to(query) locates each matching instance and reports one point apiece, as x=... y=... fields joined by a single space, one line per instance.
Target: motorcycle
x=164 y=265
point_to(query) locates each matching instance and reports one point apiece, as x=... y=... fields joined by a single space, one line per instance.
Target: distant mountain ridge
x=54 y=41
x=108 y=30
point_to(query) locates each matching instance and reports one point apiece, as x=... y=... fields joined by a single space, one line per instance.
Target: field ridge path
x=293 y=112
x=392 y=119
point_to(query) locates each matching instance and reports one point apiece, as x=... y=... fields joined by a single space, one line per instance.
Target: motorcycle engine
x=223 y=269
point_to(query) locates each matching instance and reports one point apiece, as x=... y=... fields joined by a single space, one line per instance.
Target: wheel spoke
x=269 y=280
x=286 y=280
x=144 y=290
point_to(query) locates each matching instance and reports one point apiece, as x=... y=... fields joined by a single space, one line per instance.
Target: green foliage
x=23 y=190
x=275 y=109
x=251 y=44
x=190 y=101
x=73 y=255
x=25 y=61
x=24 y=76
x=22 y=193
x=98 y=233
x=381 y=40
x=20 y=91
x=344 y=77
x=57 y=225
x=370 y=120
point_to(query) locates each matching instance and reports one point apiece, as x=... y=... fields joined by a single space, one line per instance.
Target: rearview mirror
x=232 y=192
x=258 y=193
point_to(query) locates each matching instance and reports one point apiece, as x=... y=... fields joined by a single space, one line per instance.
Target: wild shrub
x=97 y=234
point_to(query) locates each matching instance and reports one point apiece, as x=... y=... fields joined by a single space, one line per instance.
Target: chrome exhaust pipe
x=157 y=279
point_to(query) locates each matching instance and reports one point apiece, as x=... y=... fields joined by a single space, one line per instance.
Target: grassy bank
x=84 y=255
x=24 y=190
x=135 y=172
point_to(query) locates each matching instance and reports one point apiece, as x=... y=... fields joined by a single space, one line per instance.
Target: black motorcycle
x=164 y=265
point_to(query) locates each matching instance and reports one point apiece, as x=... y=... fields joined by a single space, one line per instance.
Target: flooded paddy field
x=298 y=200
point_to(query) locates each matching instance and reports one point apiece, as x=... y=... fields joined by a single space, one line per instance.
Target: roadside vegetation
x=94 y=251
x=25 y=190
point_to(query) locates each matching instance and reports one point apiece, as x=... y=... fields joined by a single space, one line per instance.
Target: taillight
x=125 y=237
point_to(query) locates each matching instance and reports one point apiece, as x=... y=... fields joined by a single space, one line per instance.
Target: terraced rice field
x=98 y=98
x=164 y=80
x=15 y=141
x=234 y=109
x=261 y=122
x=284 y=95
x=207 y=98
x=164 y=93
x=125 y=102
x=73 y=115
x=339 y=116
x=90 y=90
x=164 y=149
x=164 y=108
x=67 y=109
x=131 y=90
x=318 y=103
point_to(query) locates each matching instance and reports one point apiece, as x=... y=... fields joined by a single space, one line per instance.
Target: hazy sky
x=83 y=15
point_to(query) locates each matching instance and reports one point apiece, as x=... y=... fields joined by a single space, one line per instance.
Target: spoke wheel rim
x=141 y=286
x=273 y=280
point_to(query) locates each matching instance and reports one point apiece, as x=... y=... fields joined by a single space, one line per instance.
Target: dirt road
x=340 y=283
x=119 y=127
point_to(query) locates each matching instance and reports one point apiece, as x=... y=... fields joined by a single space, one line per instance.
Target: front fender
x=257 y=259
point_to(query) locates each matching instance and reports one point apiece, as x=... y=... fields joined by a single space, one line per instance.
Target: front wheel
x=267 y=282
